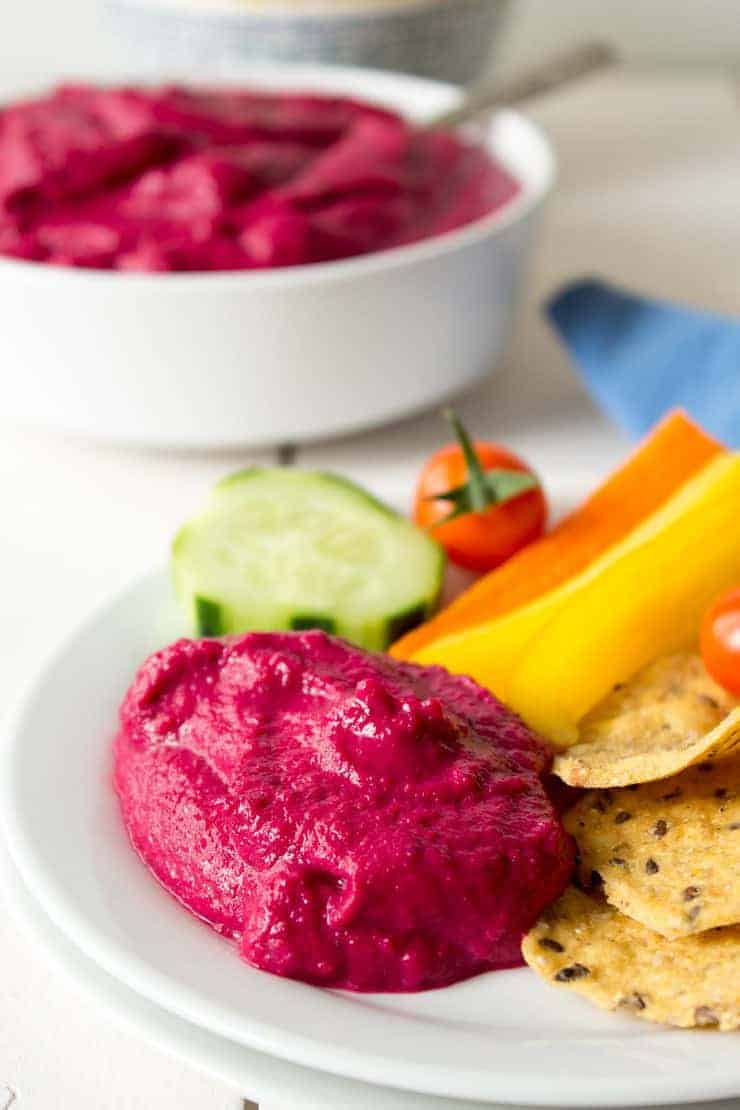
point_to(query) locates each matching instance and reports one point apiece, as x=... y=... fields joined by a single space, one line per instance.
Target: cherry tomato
x=720 y=640
x=480 y=501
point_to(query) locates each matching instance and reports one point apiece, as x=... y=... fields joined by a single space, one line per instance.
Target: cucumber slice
x=282 y=548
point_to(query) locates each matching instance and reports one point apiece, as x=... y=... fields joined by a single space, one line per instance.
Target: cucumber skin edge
x=311 y=621
x=209 y=617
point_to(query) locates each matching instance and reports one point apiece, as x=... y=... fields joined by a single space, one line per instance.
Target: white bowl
x=206 y=360
x=449 y=40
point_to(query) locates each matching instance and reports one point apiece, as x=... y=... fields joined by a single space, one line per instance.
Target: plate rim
x=273 y=1079
x=310 y=1052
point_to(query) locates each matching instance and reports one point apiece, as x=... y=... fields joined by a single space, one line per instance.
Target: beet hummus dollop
x=349 y=820
x=175 y=178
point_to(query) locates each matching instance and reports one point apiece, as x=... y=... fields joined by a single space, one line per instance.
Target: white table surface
x=648 y=195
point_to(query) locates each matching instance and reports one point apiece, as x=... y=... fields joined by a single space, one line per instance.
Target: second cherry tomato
x=720 y=640
x=480 y=501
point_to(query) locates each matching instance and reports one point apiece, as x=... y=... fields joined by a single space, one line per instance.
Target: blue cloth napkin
x=641 y=357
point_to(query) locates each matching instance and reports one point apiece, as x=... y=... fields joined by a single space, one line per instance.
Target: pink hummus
x=172 y=178
x=347 y=819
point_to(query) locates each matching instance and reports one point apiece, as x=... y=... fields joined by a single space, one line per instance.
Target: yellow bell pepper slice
x=554 y=659
x=490 y=652
x=645 y=602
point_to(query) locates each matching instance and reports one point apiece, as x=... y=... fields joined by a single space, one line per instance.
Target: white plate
x=504 y=1036
x=252 y=1074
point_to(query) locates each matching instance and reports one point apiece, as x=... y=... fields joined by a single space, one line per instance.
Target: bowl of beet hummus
x=345 y=819
x=284 y=257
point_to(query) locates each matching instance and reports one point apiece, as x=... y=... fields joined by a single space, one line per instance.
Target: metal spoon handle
x=541 y=79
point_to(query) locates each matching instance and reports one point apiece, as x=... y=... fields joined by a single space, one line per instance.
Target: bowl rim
x=330 y=10
x=350 y=81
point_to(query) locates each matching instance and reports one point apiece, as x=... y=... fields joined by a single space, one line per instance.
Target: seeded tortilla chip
x=666 y=853
x=669 y=716
x=587 y=946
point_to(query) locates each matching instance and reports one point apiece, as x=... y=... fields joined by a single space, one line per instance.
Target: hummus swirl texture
x=348 y=820
x=175 y=178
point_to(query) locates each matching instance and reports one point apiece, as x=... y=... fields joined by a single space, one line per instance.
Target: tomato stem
x=483 y=488
x=479 y=495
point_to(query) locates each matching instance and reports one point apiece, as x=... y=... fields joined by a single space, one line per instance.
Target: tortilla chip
x=585 y=945
x=666 y=853
x=668 y=717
